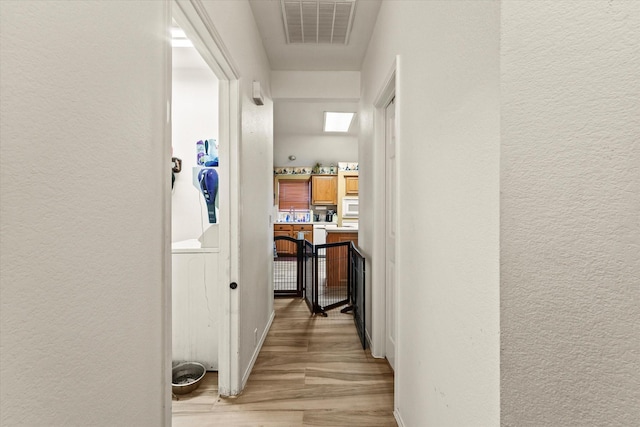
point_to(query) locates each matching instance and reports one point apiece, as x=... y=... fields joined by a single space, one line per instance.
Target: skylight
x=337 y=122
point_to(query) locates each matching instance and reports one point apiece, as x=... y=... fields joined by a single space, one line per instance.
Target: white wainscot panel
x=195 y=306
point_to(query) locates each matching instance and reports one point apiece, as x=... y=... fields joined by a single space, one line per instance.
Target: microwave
x=349 y=207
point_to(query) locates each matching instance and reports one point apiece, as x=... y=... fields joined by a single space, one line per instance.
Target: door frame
x=391 y=191
x=390 y=89
x=197 y=25
x=387 y=92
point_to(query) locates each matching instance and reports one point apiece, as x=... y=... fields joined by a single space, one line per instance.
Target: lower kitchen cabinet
x=338 y=258
x=291 y=230
x=283 y=246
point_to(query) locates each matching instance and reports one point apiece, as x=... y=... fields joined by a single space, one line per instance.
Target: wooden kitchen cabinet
x=351 y=185
x=338 y=258
x=307 y=230
x=284 y=247
x=334 y=237
x=324 y=190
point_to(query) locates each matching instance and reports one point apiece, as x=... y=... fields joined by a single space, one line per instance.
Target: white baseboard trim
x=254 y=357
x=375 y=355
x=398 y=418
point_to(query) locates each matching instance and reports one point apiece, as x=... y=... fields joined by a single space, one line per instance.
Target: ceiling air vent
x=322 y=21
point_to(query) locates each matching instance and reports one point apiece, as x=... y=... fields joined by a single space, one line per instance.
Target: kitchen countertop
x=342 y=229
x=304 y=223
x=331 y=227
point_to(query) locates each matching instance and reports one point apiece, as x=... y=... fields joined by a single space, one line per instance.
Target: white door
x=390 y=232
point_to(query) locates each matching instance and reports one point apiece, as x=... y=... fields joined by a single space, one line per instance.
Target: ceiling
x=314 y=57
x=303 y=117
x=292 y=117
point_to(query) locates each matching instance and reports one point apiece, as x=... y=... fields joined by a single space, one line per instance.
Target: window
x=293 y=194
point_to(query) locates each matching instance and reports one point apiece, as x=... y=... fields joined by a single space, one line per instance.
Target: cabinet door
x=338 y=261
x=342 y=237
x=351 y=185
x=324 y=190
x=306 y=229
x=283 y=247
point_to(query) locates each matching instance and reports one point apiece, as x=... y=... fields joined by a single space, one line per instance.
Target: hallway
x=311 y=371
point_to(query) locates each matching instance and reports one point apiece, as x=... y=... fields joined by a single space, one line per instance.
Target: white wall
x=311 y=149
x=194 y=117
x=84 y=201
x=301 y=97
x=315 y=84
x=234 y=22
x=570 y=232
x=447 y=369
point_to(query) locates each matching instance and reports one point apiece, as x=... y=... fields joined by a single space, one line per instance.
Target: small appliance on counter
x=330 y=215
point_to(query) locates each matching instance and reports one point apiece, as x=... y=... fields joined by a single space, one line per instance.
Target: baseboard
x=374 y=355
x=367 y=337
x=398 y=418
x=254 y=357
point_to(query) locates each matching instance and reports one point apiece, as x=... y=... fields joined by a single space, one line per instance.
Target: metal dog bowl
x=186 y=377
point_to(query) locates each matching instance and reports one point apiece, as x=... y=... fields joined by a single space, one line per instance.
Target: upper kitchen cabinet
x=324 y=190
x=351 y=185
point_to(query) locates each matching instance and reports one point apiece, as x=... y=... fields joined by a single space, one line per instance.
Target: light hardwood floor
x=311 y=371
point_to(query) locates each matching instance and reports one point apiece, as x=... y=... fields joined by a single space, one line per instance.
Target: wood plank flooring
x=311 y=371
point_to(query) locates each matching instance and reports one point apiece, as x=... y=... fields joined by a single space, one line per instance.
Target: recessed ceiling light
x=337 y=122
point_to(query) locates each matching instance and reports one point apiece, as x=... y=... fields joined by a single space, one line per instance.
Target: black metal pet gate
x=327 y=276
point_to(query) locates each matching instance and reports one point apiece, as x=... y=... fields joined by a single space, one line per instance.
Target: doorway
x=384 y=283
x=225 y=234
x=195 y=245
